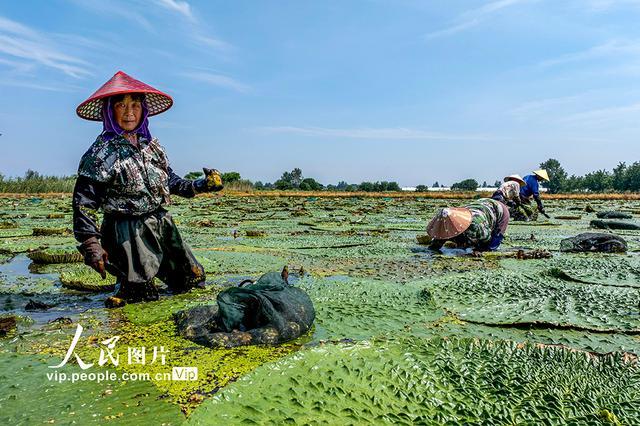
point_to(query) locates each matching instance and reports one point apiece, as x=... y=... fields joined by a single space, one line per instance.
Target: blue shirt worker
x=531 y=188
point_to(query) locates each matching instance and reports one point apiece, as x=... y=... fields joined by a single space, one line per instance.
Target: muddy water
x=19 y=284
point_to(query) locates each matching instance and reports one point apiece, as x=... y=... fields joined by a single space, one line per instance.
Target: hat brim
x=91 y=109
x=544 y=176
x=444 y=228
x=515 y=179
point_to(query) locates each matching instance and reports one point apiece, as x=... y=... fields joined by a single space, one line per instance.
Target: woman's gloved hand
x=211 y=182
x=94 y=255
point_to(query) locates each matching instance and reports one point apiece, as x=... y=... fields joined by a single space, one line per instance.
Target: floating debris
x=44 y=232
x=34 y=305
x=55 y=216
x=613 y=215
x=87 y=280
x=7 y=324
x=52 y=256
x=613 y=224
x=424 y=239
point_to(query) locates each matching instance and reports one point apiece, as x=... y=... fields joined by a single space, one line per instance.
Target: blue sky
x=406 y=90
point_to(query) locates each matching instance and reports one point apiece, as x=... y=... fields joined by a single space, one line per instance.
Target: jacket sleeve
x=180 y=186
x=88 y=196
x=538 y=202
x=536 y=196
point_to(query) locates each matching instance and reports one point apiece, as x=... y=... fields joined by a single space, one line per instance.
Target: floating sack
x=613 y=224
x=594 y=241
x=613 y=215
x=266 y=312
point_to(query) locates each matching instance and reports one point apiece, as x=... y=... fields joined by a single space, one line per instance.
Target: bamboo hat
x=542 y=173
x=449 y=222
x=515 y=178
x=119 y=84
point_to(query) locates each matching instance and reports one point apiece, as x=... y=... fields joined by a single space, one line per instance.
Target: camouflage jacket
x=489 y=218
x=125 y=180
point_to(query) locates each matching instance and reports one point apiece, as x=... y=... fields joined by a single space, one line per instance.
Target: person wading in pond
x=530 y=190
x=509 y=194
x=480 y=225
x=126 y=173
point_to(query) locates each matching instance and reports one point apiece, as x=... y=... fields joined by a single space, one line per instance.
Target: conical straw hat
x=515 y=178
x=449 y=222
x=542 y=173
x=119 y=84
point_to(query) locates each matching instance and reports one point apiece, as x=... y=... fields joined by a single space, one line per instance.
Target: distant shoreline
x=449 y=195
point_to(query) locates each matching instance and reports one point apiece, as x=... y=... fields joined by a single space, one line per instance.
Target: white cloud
x=218 y=80
x=117 y=10
x=39 y=86
x=213 y=42
x=609 y=48
x=31 y=47
x=603 y=115
x=605 y=5
x=395 y=133
x=473 y=17
x=182 y=7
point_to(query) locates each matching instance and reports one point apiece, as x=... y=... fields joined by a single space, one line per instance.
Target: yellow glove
x=212 y=181
x=213 y=177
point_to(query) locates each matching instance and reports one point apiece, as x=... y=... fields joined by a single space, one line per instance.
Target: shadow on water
x=426 y=252
x=19 y=284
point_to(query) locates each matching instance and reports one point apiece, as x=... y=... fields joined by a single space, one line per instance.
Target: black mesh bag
x=269 y=311
x=594 y=242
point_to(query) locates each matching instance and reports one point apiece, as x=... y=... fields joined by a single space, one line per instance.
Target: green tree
x=422 y=188
x=632 y=177
x=436 y=185
x=574 y=184
x=193 y=175
x=619 y=178
x=296 y=177
x=310 y=184
x=31 y=175
x=289 y=180
x=465 y=185
x=557 y=176
x=283 y=184
x=366 y=187
x=393 y=186
x=342 y=186
x=229 y=177
x=598 y=181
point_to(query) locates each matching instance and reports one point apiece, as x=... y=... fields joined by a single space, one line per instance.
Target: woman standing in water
x=126 y=174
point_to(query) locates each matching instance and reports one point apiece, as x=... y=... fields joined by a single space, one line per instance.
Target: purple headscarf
x=111 y=128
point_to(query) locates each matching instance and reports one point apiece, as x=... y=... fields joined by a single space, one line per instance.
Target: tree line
x=623 y=178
